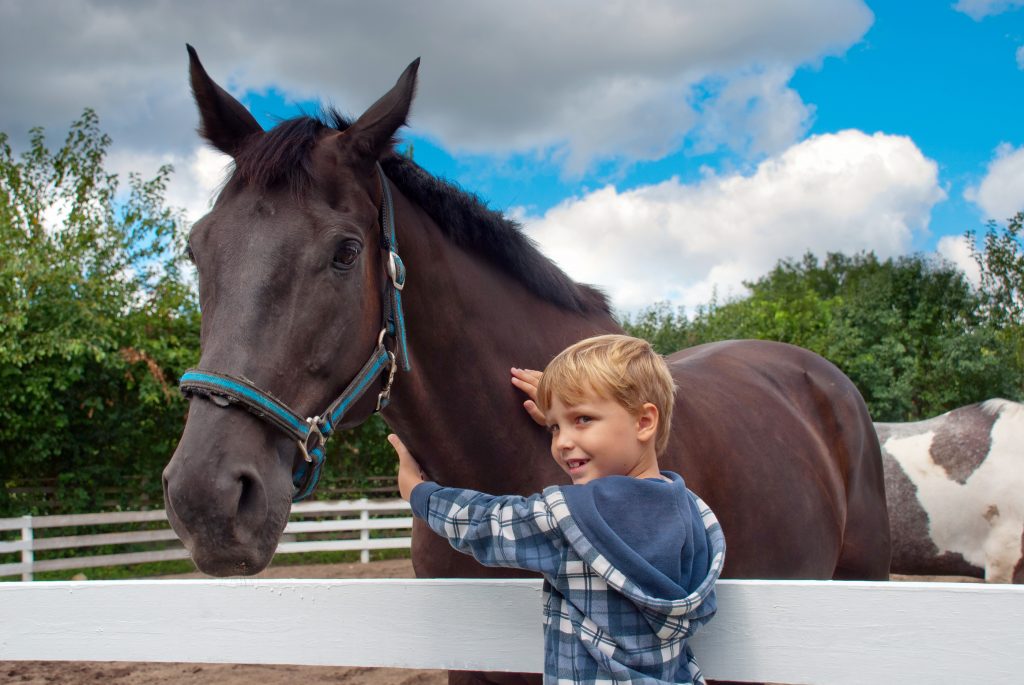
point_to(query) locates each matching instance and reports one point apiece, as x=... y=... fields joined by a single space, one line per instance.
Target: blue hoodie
x=629 y=569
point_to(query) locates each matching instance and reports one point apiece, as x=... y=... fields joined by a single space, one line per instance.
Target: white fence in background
x=809 y=632
x=353 y=525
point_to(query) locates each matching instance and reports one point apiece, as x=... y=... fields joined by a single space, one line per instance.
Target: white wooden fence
x=808 y=632
x=322 y=526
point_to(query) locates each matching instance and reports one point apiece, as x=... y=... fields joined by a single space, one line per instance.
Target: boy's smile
x=598 y=437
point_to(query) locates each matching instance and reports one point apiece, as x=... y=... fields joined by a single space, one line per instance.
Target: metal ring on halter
x=385 y=395
x=314 y=431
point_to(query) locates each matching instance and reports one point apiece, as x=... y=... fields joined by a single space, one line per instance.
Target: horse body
x=955 y=492
x=773 y=437
x=754 y=429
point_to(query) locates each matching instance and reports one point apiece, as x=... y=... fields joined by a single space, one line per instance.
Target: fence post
x=27 y=555
x=364 y=534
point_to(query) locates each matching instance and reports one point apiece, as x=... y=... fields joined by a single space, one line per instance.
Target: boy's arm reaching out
x=511 y=531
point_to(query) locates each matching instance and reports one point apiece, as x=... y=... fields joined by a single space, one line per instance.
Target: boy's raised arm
x=511 y=530
x=409 y=472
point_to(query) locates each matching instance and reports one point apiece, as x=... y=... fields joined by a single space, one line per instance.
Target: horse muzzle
x=228 y=493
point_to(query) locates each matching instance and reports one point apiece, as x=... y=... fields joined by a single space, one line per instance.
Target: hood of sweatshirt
x=653 y=541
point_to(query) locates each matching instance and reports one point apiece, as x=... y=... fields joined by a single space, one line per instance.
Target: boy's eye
x=584 y=419
x=553 y=428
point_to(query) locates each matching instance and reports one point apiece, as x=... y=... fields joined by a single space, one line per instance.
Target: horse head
x=292 y=283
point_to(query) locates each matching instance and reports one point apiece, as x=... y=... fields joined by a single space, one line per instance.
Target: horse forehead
x=339 y=176
x=249 y=216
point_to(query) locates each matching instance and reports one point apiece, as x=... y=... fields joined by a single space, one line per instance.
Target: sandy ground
x=127 y=673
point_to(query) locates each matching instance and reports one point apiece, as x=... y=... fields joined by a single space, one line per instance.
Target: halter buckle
x=314 y=432
x=396 y=270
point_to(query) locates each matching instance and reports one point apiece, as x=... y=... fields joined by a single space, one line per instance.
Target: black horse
x=294 y=286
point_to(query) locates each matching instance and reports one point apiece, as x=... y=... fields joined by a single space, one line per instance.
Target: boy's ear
x=647 y=422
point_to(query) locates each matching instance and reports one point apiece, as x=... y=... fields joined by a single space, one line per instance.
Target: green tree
x=95 y=319
x=1001 y=268
x=910 y=332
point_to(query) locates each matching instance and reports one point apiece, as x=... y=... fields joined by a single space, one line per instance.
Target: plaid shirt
x=599 y=626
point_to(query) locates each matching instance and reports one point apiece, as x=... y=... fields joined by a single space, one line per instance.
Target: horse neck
x=468 y=322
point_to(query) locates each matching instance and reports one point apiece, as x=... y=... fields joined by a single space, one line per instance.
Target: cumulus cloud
x=1001 y=193
x=754 y=112
x=576 y=83
x=957 y=251
x=197 y=176
x=846 y=191
x=979 y=9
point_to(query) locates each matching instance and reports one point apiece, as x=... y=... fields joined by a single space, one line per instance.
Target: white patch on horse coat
x=982 y=519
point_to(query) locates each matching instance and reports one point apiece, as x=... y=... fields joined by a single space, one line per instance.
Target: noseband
x=312 y=433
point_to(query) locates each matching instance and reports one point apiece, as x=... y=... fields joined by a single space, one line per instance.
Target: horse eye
x=345 y=255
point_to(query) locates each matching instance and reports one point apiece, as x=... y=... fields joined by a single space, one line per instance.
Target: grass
x=165 y=568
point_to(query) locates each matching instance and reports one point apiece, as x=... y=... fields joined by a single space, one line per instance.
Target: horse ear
x=223 y=120
x=372 y=134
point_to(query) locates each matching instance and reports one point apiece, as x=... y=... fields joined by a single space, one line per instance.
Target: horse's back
x=779 y=442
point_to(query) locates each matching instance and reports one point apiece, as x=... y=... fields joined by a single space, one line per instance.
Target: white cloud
x=754 y=112
x=847 y=191
x=1020 y=57
x=1001 y=193
x=197 y=175
x=979 y=9
x=956 y=250
x=577 y=80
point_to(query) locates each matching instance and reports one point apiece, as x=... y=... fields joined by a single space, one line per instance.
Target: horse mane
x=282 y=156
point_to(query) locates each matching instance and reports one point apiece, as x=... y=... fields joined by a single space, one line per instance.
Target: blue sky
x=923 y=70
x=950 y=82
x=667 y=150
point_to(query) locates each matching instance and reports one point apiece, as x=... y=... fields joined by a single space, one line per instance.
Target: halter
x=312 y=433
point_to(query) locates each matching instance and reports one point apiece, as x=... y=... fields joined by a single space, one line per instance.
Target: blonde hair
x=620 y=368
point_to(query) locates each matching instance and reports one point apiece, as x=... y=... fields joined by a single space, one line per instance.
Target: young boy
x=629 y=555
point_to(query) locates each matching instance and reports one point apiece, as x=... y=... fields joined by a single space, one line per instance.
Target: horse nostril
x=245 y=498
x=252 y=501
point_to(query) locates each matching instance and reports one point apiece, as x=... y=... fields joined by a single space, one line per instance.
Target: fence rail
x=809 y=632
x=353 y=525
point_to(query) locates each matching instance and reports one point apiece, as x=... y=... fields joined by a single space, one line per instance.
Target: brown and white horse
x=955 y=491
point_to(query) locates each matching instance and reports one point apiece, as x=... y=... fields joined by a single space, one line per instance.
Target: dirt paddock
x=130 y=673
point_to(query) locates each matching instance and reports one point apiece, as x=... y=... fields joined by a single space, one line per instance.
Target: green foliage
x=1001 y=268
x=96 y=324
x=95 y=320
x=910 y=332
x=360 y=462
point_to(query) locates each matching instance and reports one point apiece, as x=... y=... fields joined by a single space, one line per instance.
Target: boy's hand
x=527 y=380
x=409 y=472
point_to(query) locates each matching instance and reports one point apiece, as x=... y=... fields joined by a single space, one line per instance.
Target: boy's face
x=598 y=437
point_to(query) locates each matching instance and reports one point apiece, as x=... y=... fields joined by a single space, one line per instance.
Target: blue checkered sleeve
x=510 y=531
